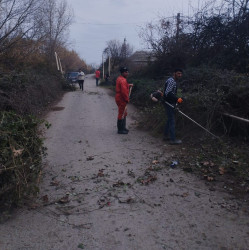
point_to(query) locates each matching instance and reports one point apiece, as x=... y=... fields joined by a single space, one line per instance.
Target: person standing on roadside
x=170 y=96
x=97 y=76
x=122 y=99
x=81 y=79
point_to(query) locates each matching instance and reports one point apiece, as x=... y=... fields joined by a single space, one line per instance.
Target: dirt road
x=101 y=190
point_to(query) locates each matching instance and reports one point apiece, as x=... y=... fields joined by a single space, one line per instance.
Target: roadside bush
x=208 y=95
x=23 y=95
x=20 y=159
x=142 y=89
x=29 y=91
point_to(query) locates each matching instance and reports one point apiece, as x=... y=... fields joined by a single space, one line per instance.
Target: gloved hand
x=179 y=100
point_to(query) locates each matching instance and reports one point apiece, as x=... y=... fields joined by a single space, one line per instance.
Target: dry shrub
x=20 y=160
x=210 y=93
x=29 y=92
x=23 y=95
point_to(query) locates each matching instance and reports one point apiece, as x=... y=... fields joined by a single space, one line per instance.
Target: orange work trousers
x=122 y=110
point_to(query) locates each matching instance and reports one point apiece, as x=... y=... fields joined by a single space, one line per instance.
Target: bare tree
x=55 y=19
x=119 y=52
x=71 y=60
x=215 y=35
x=237 y=7
x=158 y=36
x=221 y=37
x=32 y=28
x=15 y=20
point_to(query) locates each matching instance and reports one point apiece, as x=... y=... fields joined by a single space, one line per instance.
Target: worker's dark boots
x=175 y=142
x=124 y=128
x=120 y=125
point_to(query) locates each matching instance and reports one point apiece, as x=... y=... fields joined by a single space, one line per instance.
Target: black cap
x=123 y=69
x=178 y=70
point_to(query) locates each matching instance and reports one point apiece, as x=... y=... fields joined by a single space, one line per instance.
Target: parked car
x=72 y=77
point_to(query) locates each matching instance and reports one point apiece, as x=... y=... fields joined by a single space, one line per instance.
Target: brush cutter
x=176 y=108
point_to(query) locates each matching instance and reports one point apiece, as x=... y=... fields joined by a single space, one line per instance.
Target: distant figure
x=81 y=79
x=122 y=99
x=97 y=76
x=107 y=76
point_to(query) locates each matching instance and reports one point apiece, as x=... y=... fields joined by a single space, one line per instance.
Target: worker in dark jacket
x=170 y=96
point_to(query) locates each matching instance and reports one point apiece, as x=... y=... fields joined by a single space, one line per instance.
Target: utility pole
x=103 y=65
x=109 y=66
x=125 y=49
x=178 y=21
x=56 y=59
x=60 y=65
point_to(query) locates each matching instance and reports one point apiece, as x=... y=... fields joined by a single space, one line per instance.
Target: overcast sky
x=99 y=21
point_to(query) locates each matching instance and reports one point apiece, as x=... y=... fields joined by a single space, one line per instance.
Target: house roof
x=142 y=56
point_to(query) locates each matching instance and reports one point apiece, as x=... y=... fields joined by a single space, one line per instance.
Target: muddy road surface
x=101 y=190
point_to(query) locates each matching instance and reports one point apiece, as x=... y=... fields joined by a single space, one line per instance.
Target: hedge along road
x=101 y=190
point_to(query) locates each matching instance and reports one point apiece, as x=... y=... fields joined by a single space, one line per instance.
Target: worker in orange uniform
x=97 y=76
x=122 y=98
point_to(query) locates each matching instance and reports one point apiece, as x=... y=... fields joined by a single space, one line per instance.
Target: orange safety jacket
x=122 y=91
x=97 y=74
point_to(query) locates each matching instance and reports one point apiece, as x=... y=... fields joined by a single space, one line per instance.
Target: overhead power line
x=109 y=24
x=116 y=24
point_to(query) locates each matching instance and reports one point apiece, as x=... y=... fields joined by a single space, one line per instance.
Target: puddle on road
x=94 y=93
x=57 y=108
